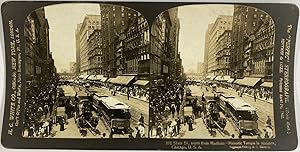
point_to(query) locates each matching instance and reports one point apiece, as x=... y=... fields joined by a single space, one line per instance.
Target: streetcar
x=223 y=101
x=218 y=93
x=115 y=113
x=211 y=114
x=243 y=116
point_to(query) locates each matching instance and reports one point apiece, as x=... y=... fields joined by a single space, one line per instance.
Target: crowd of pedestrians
x=39 y=108
x=165 y=104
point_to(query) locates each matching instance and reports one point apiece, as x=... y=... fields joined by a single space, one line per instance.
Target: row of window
x=93 y=22
x=223 y=61
x=259 y=67
x=223 y=53
x=224 y=22
x=145 y=57
x=263 y=45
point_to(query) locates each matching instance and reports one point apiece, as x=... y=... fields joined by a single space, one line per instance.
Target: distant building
x=176 y=62
x=95 y=53
x=223 y=54
x=206 y=46
x=89 y=24
x=201 y=68
x=221 y=24
x=77 y=37
x=72 y=67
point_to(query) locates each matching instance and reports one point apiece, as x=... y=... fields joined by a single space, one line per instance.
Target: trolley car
x=115 y=113
x=243 y=115
x=223 y=101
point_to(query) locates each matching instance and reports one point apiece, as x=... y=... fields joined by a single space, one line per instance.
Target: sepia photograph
x=87 y=72
x=216 y=76
x=199 y=72
x=188 y=76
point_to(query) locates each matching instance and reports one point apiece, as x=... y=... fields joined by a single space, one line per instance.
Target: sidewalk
x=269 y=100
x=264 y=100
x=124 y=94
x=135 y=97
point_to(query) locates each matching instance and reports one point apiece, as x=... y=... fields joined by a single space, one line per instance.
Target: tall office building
x=221 y=24
x=89 y=24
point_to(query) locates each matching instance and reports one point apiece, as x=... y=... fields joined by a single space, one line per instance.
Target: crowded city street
x=263 y=107
x=199 y=128
x=138 y=109
x=123 y=79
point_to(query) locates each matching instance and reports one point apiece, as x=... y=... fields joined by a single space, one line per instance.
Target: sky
x=63 y=20
x=194 y=20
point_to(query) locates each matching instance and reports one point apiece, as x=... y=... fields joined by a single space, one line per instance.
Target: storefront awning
x=213 y=77
x=141 y=82
x=267 y=85
x=226 y=77
x=103 y=79
x=230 y=80
x=86 y=77
x=123 y=80
x=81 y=76
x=237 y=81
x=92 y=77
x=218 y=78
x=198 y=80
x=222 y=78
x=110 y=80
x=98 y=77
x=249 y=81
